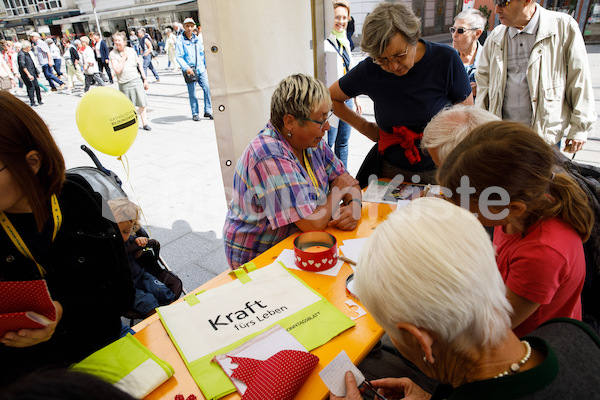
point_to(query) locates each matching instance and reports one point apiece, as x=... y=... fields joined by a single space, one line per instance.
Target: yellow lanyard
x=311 y=174
x=18 y=241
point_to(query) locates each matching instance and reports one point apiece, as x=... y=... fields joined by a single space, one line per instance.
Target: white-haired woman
x=428 y=276
x=468 y=26
x=449 y=127
x=287 y=179
x=409 y=80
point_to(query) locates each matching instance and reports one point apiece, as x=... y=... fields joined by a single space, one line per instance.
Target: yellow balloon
x=107 y=120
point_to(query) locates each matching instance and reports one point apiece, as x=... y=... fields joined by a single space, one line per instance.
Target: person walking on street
x=29 y=73
x=134 y=42
x=170 y=47
x=128 y=70
x=190 y=56
x=147 y=49
x=55 y=54
x=101 y=50
x=46 y=61
x=90 y=65
x=534 y=70
x=73 y=64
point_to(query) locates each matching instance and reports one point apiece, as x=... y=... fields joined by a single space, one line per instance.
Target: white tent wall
x=250 y=45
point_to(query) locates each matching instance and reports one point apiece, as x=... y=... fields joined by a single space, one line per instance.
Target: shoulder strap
x=342 y=53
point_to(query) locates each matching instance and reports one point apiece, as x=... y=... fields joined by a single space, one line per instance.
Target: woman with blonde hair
x=288 y=179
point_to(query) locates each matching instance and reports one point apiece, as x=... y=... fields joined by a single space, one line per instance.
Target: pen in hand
x=368 y=384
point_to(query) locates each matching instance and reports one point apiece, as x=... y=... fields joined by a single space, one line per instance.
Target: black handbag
x=190 y=78
x=193 y=77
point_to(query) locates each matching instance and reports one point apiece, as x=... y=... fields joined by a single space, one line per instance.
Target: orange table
x=356 y=341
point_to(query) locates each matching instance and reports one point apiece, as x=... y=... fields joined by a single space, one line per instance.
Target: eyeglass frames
x=398 y=58
x=3 y=168
x=501 y=3
x=320 y=123
x=460 y=31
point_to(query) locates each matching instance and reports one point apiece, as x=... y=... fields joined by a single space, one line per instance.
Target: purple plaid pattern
x=271 y=191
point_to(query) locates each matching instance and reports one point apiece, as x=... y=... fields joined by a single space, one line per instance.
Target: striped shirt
x=271 y=191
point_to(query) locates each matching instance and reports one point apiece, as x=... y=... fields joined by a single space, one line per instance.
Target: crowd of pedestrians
x=123 y=58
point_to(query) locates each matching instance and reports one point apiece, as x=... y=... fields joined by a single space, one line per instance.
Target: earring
x=289 y=134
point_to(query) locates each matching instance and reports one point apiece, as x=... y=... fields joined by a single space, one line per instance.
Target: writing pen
x=368 y=384
x=346 y=259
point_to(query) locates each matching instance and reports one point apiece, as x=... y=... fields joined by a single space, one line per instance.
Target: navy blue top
x=434 y=82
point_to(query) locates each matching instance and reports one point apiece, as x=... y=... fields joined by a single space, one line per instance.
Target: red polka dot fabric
x=279 y=377
x=17 y=298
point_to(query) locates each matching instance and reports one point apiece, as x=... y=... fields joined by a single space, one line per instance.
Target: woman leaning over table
x=57 y=232
x=288 y=179
x=130 y=76
x=409 y=81
x=428 y=276
x=468 y=26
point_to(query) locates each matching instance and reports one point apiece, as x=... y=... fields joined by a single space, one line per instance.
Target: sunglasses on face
x=460 y=31
x=501 y=3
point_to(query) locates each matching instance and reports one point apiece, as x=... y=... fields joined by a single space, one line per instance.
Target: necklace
x=515 y=367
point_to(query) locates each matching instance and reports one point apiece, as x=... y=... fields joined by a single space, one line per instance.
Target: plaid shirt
x=271 y=191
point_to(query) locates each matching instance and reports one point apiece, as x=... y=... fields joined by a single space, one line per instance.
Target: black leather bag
x=190 y=78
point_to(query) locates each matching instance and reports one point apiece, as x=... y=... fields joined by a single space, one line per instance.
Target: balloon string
x=126 y=168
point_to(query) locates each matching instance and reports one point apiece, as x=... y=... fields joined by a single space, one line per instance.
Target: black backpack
x=588 y=178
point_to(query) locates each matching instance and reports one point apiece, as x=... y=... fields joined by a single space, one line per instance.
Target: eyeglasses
x=321 y=123
x=501 y=3
x=398 y=58
x=463 y=30
x=3 y=168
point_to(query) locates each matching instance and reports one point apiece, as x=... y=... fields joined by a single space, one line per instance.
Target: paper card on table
x=351 y=248
x=334 y=374
x=402 y=203
x=262 y=347
x=287 y=258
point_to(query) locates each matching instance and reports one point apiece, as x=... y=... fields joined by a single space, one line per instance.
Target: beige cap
x=34 y=34
x=189 y=21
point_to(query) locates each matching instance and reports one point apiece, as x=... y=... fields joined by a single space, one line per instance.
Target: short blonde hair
x=85 y=40
x=298 y=95
x=342 y=3
x=431 y=264
x=450 y=126
x=124 y=210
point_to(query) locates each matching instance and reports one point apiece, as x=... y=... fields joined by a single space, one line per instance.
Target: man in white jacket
x=534 y=69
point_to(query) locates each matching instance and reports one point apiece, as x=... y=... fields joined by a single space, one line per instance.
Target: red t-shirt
x=547 y=267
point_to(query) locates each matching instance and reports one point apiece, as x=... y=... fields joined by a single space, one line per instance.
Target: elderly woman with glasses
x=288 y=178
x=428 y=276
x=409 y=81
x=468 y=27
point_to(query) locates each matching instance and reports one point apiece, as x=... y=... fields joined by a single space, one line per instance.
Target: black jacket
x=87 y=272
x=25 y=61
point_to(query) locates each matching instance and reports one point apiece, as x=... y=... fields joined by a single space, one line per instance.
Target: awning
x=19 y=19
x=123 y=13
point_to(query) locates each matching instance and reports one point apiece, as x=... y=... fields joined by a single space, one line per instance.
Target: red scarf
x=405 y=138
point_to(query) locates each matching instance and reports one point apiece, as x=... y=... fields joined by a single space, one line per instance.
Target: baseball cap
x=189 y=21
x=34 y=34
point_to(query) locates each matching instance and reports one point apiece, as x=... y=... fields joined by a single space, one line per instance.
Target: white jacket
x=558 y=75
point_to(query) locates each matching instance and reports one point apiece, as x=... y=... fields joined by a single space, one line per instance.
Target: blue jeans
x=148 y=64
x=203 y=82
x=339 y=137
x=57 y=64
x=50 y=76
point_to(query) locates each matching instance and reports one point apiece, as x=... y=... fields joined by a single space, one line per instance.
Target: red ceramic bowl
x=315 y=251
